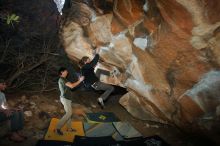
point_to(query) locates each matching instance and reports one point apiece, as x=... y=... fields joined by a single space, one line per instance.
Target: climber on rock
x=66 y=99
x=87 y=69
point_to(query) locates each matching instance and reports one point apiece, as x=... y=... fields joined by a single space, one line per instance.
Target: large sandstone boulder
x=164 y=53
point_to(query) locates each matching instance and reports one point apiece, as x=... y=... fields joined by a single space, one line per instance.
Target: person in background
x=14 y=116
x=66 y=99
x=87 y=69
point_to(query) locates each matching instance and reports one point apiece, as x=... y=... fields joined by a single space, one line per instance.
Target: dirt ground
x=45 y=106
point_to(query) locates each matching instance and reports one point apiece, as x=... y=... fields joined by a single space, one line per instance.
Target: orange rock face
x=182 y=49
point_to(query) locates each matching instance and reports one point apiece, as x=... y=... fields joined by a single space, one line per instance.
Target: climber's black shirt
x=88 y=71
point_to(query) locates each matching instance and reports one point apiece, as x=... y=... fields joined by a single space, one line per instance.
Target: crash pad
x=101 y=117
x=126 y=130
x=67 y=136
x=101 y=130
x=94 y=141
x=53 y=143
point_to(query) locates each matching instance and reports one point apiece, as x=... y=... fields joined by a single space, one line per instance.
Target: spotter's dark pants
x=16 y=120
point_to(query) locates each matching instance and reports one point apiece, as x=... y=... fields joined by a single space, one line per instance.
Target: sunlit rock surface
x=165 y=52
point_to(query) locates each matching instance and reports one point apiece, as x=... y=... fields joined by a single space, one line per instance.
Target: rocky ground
x=40 y=108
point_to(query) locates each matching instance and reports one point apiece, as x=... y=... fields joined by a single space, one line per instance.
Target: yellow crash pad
x=67 y=136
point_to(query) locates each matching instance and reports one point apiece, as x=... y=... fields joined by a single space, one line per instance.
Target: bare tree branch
x=26 y=69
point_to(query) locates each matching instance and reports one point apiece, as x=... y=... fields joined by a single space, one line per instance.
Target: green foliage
x=12 y=18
